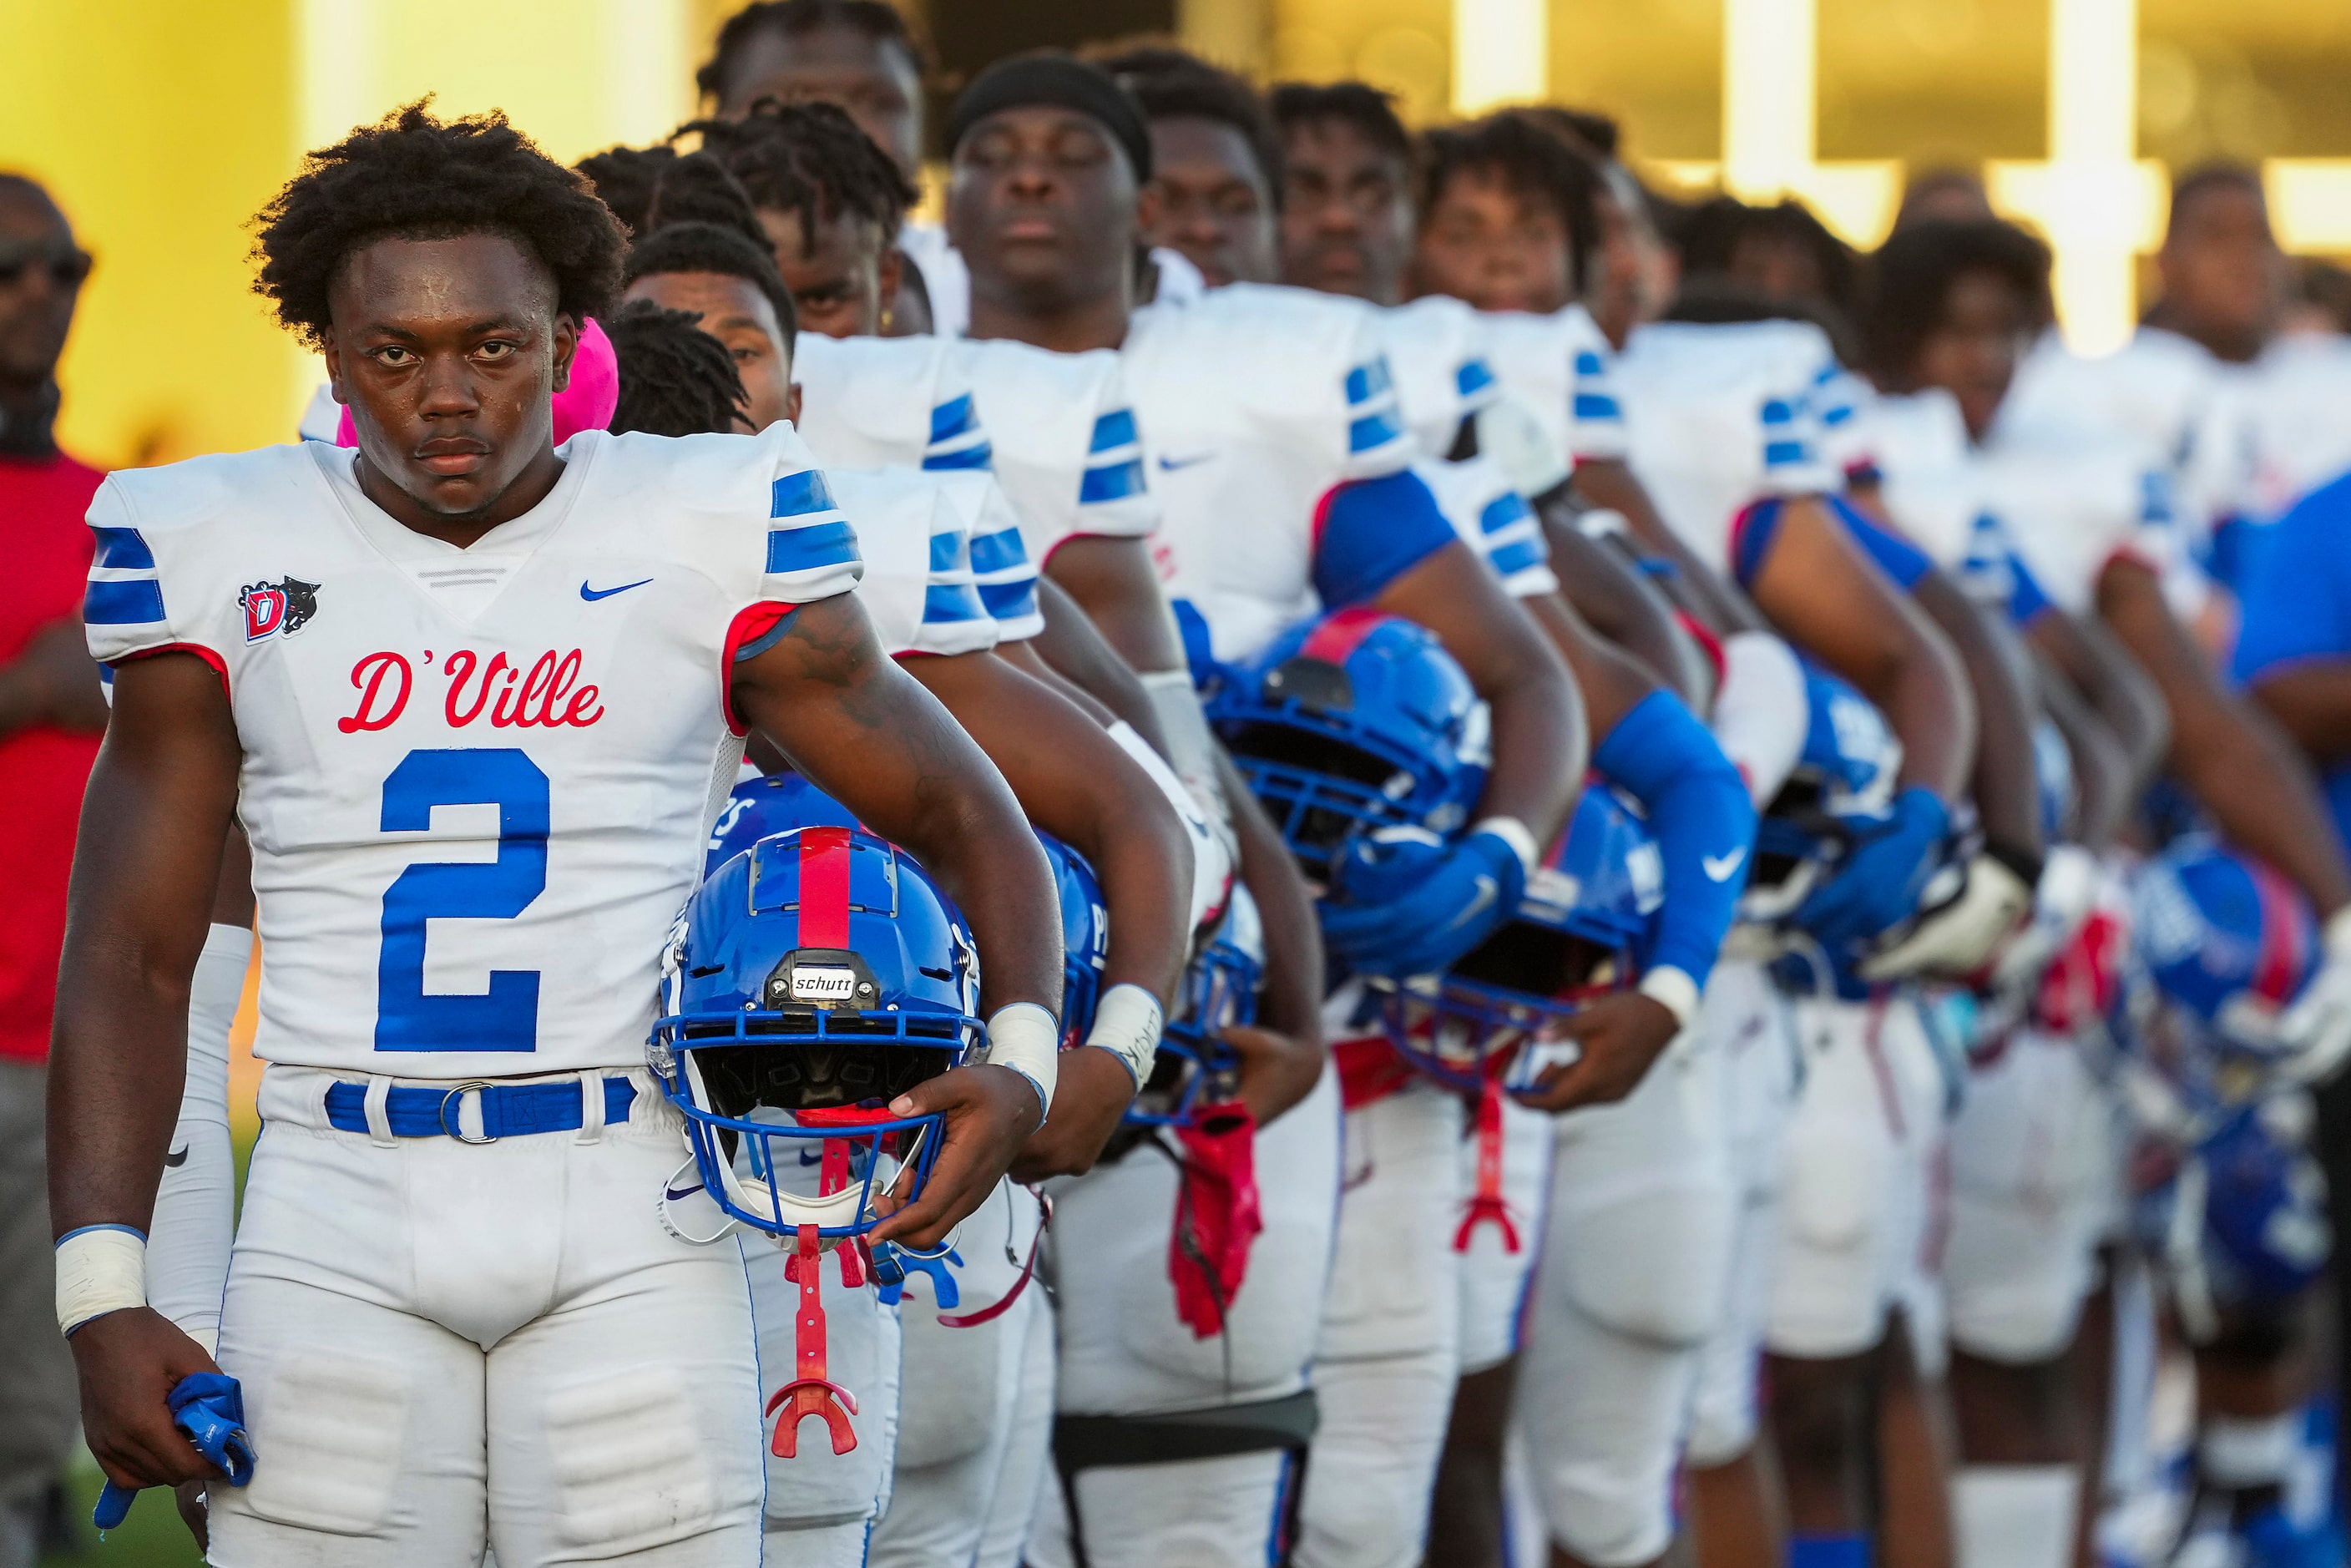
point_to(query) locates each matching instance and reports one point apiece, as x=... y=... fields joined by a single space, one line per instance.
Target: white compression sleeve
x=2015 y=1516
x=1190 y=749
x=1761 y=710
x=196 y=1218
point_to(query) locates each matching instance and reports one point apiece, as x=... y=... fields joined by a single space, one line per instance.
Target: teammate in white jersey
x=575 y=1319
x=861 y=55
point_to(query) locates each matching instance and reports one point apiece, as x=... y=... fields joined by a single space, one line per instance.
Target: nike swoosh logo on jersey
x=1169 y=465
x=593 y=594
x=1722 y=867
x=177 y=1157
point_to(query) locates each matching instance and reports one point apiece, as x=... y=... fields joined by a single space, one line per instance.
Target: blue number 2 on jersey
x=505 y=1018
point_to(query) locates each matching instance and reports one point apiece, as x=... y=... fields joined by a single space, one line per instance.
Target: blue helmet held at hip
x=1353 y=723
x=812 y=979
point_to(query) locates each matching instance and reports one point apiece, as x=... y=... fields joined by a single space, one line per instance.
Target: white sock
x=2015 y=1516
x=2239 y=1453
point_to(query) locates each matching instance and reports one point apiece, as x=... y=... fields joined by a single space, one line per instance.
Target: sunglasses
x=69 y=265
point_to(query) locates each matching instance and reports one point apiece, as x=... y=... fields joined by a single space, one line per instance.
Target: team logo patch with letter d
x=275 y=607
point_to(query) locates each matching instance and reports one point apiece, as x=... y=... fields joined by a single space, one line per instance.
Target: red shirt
x=45 y=549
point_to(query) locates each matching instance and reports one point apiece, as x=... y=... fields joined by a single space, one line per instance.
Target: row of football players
x=1823 y=571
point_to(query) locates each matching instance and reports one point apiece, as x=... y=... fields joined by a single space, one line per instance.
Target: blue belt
x=508 y=1110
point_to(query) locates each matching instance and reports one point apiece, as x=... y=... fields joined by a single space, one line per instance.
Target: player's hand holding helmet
x=816 y=985
x=1890 y=856
x=2234 y=950
x=1072 y=1139
x=1572 y=941
x=1196 y=1066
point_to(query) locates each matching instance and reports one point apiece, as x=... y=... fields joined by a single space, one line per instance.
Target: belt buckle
x=455 y=1126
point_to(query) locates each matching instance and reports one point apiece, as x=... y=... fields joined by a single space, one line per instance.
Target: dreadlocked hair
x=675 y=377
x=1912 y=274
x=624 y=178
x=698 y=189
x=413 y=176
x=1176 y=84
x=792 y=18
x=713 y=247
x=1533 y=160
x=1370 y=110
x=811 y=159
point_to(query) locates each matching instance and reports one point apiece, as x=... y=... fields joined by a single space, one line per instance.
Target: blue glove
x=209 y=1407
x=1409 y=904
x=1878 y=884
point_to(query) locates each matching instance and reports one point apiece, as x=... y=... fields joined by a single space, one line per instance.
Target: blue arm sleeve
x=1700 y=816
x=1900 y=559
x=1369 y=532
x=2026 y=598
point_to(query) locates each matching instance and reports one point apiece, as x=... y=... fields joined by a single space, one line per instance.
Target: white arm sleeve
x=195 y=1206
x=1761 y=711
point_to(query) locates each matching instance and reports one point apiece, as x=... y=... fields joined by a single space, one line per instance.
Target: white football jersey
x=2289 y=422
x=879 y=403
x=1067 y=452
x=1001 y=569
x=945 y=279
x=1719 y=418
x=919 y=589
x=1253 y=404
x=1436 y=349
x=1561 y=368
x=1492 y=518
x=476 y=782
x=2066 y=501
x=1437 y=353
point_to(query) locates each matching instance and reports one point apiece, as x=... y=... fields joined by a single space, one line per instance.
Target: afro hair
x=415 y=176
x=1531 y=158
x=720 y=249
x=624 y=178
x=1370 y=110
x=698 y=189
x=811 y=159
x=675 y=377
x=792 y=18
x=1912 y=274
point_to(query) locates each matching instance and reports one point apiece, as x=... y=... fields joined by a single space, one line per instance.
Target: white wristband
x=1026 y=1039
x=101 y=1268
x=1516 y=835
x=1673 y=990
x=1127 y=1021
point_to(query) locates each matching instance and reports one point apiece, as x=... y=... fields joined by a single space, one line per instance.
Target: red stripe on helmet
x=824 y=887
x=1340 y=633
x=2284 y=952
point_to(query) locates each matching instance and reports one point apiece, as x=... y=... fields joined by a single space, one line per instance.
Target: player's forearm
x=2003 y=782
x=1112 y=581
x=1077 y=650
x=1611 y=484
x=2311 y=701
x=1610 y=683
x=2118 y=692
x=2230 y=757
x=2104 y=781
x=1699 y=813
x=1541 y=746
x=1607 y=592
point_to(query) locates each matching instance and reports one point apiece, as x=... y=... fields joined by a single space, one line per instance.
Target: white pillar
x=1770 y=87
x=1502 y=53
x=2094 y=210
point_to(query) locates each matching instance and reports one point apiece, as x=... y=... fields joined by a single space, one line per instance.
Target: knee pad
x=628 y=1467
x=1653 y=1264
x=2013 y=1282
x=1611 y=1518
x=333 y=1426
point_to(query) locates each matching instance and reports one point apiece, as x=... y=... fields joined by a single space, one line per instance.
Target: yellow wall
x=160 y=130
x=163 y=125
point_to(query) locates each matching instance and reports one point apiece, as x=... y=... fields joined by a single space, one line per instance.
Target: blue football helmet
x=1085 y=937
x=2242 y=1222
x=2226 y=942
x=812 y=979
x=1194 y=1067
x=1354 y=723
x=1847 y=769
x=1583 y=930
x=763 y=807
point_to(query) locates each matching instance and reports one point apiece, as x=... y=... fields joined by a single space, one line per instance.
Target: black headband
x=1050 y=77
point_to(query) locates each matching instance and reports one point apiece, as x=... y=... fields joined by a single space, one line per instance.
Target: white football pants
x=447 y=1347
